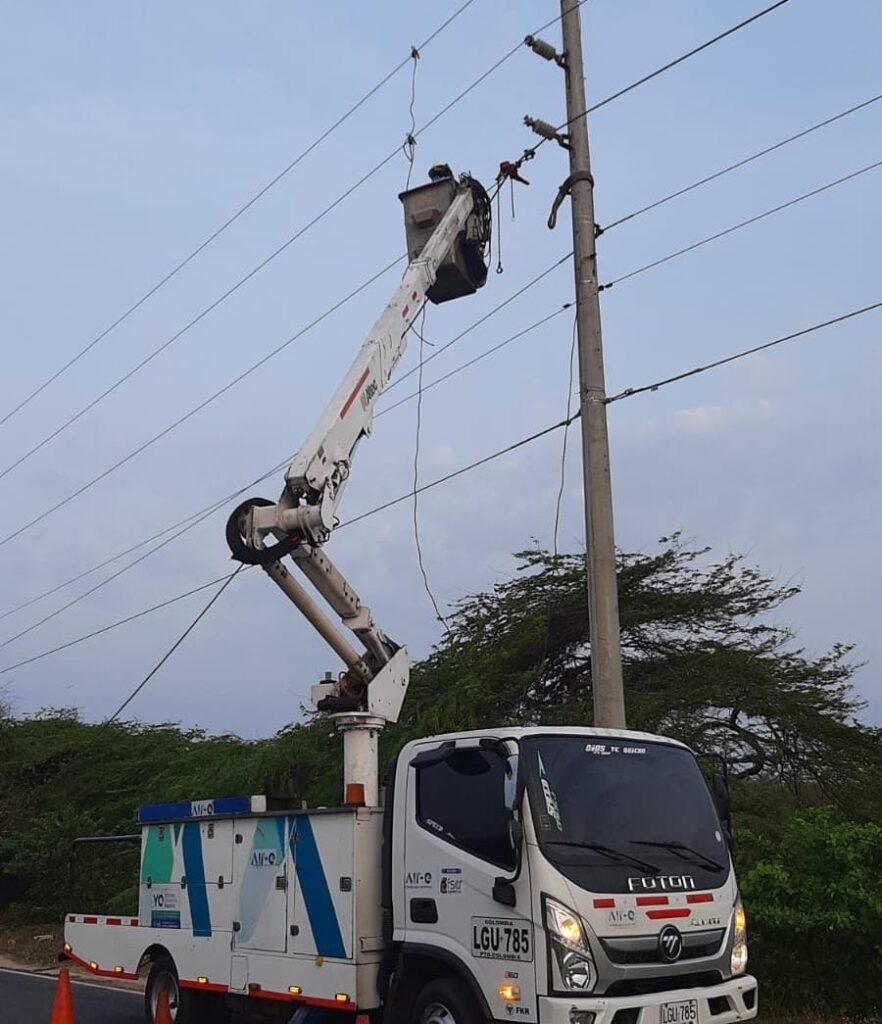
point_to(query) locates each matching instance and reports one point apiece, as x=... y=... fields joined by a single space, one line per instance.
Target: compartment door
x=260 y=866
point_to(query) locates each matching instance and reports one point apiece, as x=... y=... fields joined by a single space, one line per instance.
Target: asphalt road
x=27 y=999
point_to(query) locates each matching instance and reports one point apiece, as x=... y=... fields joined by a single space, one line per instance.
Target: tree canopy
x=707 y=659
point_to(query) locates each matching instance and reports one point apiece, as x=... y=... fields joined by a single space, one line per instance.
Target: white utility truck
x=561 y=876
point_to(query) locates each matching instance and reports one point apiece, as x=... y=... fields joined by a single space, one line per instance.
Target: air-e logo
x=418 y=880
x=202 y=808
x=263 y=858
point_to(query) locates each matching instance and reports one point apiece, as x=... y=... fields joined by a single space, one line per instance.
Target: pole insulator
x=545 y=50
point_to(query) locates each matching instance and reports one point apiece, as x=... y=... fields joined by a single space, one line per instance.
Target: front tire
x=446 y=1001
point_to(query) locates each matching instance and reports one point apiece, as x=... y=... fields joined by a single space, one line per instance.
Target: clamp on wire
x=565 y=190
x=509 y=170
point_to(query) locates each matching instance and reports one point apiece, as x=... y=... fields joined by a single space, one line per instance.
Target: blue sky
x=130 y=132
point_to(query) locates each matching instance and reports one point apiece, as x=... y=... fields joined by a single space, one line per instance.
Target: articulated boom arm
x=306 y=513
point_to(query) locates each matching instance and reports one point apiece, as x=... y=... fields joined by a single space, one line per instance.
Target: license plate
x=495 y=938
x=683 y=1012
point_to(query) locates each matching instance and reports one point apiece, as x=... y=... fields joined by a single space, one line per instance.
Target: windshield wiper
x=680 y=849
x=607 y=851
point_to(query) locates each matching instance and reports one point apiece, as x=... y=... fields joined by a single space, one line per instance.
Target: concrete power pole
x=603 y=601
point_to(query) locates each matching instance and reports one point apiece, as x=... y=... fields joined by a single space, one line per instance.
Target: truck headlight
x=739 y=944
x=570 y=954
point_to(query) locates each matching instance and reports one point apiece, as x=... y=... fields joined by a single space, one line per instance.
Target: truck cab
x=569 y=876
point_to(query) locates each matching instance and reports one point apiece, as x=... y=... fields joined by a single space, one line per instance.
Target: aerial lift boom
x=448 y=228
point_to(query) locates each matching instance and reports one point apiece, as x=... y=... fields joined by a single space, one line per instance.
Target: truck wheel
x=163 y=977
x=185 y=1005
x=446 y=1001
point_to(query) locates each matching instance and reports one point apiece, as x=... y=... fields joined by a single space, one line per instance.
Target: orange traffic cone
x=163 y=1013
x=62 y=1006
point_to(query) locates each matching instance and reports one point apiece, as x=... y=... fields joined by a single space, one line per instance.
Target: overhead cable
x=416 y=480
x=475 y=359
x=198 y=408
x=266 y=261
x=740 y=163
x=477 y=323
x=560 y=425
x=741 y=224
x=364 y=515
x=670 y=64
x=178 y=528
x=234 y=217
x=117 y=623
x=174 y=646
x=631 y=392
x=182 y=526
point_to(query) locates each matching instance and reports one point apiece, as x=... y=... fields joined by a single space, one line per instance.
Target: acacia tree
x=703 y=660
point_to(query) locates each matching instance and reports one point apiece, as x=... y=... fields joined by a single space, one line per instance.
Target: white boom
x=457 y=216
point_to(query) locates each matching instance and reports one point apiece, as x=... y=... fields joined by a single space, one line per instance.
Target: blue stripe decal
x=316 y=895
x=227 y=805
x=194 y=870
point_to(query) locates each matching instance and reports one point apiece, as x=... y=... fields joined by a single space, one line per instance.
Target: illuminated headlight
x=570 y=956
x=739 y=944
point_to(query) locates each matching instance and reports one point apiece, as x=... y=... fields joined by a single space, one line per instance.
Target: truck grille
x=645 y=986
x=644 y=949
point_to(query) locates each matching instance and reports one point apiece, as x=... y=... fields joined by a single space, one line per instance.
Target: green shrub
x=814 y=905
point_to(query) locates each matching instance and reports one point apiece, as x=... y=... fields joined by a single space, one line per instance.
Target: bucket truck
x=548 y=875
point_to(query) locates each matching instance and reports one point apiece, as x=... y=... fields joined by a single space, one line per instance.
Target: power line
x=266 y=261
x=198 y=408
x=563 y=452
x=631 y=392
x=364 y=515
x=740 y=225
x=233 y=218
x=529 y=284
x=475 y=359
x=416 y=478
x=210 y=509
x=639 y=270
x=174 y=646
x=562 y=424
x=115 y=625
x=671 y=64
x=182 y=526
x=459 y=472
x=477 y=323
x=240 y=377
x=741 y=163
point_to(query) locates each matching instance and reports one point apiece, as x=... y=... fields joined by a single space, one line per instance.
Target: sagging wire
x=566 y=431
x=227 y=581
x=409 y=146
x=509 y=170
x=560 y=490
x=416 y=476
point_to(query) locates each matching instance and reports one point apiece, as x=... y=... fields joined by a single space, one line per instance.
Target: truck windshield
x=615 y=815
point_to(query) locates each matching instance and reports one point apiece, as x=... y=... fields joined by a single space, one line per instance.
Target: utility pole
x=603 y=601
x=603 y=598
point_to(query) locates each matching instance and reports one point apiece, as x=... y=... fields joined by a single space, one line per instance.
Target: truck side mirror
x=722 y=797
x=723 y=802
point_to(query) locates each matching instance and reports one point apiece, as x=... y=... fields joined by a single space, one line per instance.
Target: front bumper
x=733 y=1000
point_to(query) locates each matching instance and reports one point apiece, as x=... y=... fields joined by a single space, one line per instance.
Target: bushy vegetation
x=705 y=661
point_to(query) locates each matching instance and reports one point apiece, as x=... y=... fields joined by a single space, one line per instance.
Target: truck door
x=457 y=843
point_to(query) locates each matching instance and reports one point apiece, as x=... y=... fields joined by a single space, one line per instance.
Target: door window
x=462 y=801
